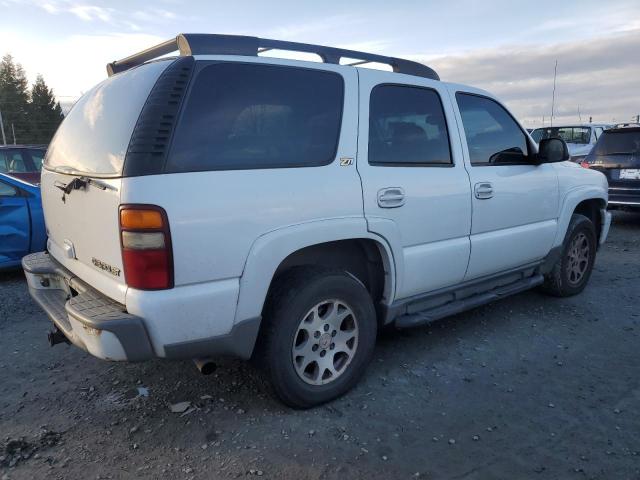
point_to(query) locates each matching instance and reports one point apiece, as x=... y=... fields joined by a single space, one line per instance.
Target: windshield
x=94 y=136
x=580 y=135
x=611 y=143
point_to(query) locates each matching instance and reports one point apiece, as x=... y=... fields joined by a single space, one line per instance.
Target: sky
x=507 y=47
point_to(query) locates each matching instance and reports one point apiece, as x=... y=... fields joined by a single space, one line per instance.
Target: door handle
x=391 y=197
x=483 y=190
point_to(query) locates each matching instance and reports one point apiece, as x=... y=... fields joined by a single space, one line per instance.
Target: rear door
x=515 y=202
x=415 y=187
x=14 y=224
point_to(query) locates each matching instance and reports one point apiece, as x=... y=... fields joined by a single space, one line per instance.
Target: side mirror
x=551 y=150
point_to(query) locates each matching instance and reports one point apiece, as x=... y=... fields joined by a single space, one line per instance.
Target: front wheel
x=571 y=272
x=320 y=335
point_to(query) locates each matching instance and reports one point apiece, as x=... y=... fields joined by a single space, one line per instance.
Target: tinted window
x=620 y=142
x=94 y=136
x=407 y=126
x=493 y=136
x=13 y=161
x=258 y=116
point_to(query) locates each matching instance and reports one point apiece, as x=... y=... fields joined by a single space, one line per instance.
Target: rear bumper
x=624 y=196
x=89 y=319
x=105 y=329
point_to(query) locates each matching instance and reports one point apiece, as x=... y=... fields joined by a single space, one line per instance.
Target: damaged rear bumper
x=89 y=319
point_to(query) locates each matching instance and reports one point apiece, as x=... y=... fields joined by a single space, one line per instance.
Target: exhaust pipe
x=56 y=336
x=205 y=365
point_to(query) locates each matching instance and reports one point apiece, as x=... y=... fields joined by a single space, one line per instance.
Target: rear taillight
x=146 y=247
x=584 y=164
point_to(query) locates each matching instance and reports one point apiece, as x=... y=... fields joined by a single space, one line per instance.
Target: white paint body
x=231 y=229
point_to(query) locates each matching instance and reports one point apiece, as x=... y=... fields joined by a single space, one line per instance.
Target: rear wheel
x=571 y=273
x=320 y=334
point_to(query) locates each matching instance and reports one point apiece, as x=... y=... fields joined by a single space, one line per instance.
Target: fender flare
x=570 y=201
x=270 y=249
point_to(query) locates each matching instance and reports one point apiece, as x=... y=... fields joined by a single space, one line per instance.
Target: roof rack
x=213 y=44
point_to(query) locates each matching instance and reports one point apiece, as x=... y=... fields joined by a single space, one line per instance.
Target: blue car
x=22 y=229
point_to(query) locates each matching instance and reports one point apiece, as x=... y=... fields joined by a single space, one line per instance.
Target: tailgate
x=83 y=231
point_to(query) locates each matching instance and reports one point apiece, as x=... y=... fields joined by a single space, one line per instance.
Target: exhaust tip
x=205 y=365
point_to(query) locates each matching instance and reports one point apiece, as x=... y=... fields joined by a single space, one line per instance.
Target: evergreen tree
x=44 y=112
x=14 y=100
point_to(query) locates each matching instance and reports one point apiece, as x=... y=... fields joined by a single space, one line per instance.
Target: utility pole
x=579 y=116
x=553 y=97
x=4 y=139
x=637 y=118
x=14 y=134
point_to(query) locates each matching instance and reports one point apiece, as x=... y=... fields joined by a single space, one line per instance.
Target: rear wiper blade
x=79 y=183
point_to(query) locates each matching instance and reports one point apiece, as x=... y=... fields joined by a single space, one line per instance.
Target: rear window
x=14 y=161
x=612 y=143
x=242 y=116
x=94 y=136
x=580 y=135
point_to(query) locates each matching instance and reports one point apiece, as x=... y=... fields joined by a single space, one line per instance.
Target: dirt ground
x=530 y=387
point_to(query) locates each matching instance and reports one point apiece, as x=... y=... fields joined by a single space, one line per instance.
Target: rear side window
x=493 y=136
x=37 y=157
x=243 y=116
x=407 y=127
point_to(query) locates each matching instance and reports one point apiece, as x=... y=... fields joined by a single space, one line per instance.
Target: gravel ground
x=530 y=387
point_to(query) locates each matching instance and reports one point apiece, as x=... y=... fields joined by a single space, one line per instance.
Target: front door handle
x=391 y=197
x=483 y=190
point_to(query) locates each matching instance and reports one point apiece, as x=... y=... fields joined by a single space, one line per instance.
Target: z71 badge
x=105 y=266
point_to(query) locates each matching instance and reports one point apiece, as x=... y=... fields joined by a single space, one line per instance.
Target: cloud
x=89 y=13
x=596 y=77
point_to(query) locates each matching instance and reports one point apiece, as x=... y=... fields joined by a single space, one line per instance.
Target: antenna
x=553 y=97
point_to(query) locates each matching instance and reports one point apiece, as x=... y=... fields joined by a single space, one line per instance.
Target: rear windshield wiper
x=80 y=183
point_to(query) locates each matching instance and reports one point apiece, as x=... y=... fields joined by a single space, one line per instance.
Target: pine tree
x=14 y=100
x=45 y=113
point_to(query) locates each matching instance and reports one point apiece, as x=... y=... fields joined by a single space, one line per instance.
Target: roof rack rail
x=214 y=44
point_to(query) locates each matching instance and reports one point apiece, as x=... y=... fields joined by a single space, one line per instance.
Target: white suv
x=226 y=203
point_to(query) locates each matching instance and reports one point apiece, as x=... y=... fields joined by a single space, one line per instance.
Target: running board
x=457 y=306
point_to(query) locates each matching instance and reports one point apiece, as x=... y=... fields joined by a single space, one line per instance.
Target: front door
x=416 y=190
x=515 y=202
x=14 y=225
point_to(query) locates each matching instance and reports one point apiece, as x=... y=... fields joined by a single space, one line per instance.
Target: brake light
x=585 y=165
x=145 y=241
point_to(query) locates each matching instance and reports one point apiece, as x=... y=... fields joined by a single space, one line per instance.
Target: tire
x=563 y=279
x=300 y=305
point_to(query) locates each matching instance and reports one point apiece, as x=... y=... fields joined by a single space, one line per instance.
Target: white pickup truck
x=223 y=202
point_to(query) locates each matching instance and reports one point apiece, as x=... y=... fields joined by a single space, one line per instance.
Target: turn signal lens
x=147 y=255
x=140 y=219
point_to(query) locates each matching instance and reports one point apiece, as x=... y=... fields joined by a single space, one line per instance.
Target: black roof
x=214 y=44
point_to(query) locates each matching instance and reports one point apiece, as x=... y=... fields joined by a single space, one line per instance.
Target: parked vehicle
x=22 y=229
x=22 y=161
x=580 y=138
x=617 y=155
x=225 y=203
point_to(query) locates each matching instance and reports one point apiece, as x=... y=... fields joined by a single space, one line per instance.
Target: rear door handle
x=391 y=197
x=483 y=190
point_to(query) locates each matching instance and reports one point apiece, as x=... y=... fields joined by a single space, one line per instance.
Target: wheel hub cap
x=325 y=343
x=578 y=258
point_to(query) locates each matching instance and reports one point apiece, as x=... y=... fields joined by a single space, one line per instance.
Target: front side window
x=241 y=116
x=13 y=161
x=407 y=127
x=493 y=136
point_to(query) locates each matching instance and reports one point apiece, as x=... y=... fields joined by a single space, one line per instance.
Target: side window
x=407 y=127
x=37 y=157
x=493 y=136
x=7 y=190
x=12 y=161
x=598 y=132
x=241 y=116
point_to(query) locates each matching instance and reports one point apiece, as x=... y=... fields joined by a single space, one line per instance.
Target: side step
x=456 y=306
